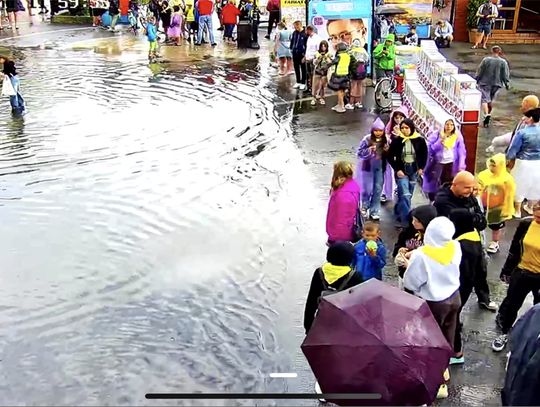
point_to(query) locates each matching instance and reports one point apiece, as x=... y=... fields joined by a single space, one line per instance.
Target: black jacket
x=299 y=42
x=315 y=290
x=523 y=373
x=446 y=203
x=516 y=248
x=395 y=153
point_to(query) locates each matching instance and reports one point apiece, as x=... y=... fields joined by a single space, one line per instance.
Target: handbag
x=7 y=87
x=358 y=225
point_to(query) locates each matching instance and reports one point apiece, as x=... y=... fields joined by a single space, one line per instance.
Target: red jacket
x=230 y=14
x=273 y=5
x=205 y=7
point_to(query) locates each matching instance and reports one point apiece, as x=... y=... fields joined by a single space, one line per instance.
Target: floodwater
x=159 y=229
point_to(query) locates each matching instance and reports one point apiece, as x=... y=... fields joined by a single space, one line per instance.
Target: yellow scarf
x=450 y=141
x=406 y=138
x=334 y=273
x=442 y=255
x=473 y=236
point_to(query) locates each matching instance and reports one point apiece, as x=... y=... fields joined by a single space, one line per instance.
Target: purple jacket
x=365 y=178
x=432 y=172
x=342 y=210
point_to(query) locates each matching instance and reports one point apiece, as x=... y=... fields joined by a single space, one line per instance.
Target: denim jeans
x=16 y=101
x=405 y=189
x=205 y=21
x=229 y=29
x=373 y=201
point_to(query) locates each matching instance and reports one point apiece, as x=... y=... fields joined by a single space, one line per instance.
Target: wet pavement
x=162 y=223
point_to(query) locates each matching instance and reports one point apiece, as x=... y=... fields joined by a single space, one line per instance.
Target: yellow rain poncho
x=498 y=189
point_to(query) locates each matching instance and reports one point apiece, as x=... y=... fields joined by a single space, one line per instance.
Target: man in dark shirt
x=456 y=201
x=298 y=49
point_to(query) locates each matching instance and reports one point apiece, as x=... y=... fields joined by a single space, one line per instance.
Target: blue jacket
x=369 y=266
x=526 y=144
x=151 y=32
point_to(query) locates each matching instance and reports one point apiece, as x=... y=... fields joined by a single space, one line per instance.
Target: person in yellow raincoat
x=497 y=189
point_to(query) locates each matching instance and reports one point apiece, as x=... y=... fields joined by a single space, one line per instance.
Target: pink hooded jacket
x=342 y=210
x=390 y=125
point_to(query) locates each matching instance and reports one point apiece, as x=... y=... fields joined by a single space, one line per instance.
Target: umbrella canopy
x=375 y=338
x=390 y=9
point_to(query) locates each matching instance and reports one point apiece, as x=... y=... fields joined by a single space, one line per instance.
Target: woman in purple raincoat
x=446 y=157
x=371 y=167
x=343 y=205
x=392 y=130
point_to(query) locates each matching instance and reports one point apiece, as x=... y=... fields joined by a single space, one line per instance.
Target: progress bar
x=263 y=396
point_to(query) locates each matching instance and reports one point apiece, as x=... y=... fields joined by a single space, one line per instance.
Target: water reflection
x=146 y=216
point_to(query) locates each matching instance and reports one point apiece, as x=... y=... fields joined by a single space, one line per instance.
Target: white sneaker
x=336 y=107
x=302 y=87
x=493 y=247
x=348 y=106
x=313 y=102
x=359 y=105
x=340 y=109
x=296 y=86
x=322 y=101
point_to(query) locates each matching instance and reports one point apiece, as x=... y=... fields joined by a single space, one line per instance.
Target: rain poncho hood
x=333 y=273
x=390 y=126
x=391 y=38
x=377 y=125
x=433 y=271
x=438 y=244
x=498 y=190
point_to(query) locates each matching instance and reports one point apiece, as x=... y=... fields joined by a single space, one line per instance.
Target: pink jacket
x=342 y=210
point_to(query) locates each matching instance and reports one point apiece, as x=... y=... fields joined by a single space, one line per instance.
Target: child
x=396 y=117
x=321 y=63
x=336 y=274
x=384 y=55
x=370 y=253
x=497 y=188
x=151 y=34
x=412 y=38
x=412 y=237
x=371 y=167
x=340 y=79
x=191 y=23
x=433 y=274
x=18 y=106
x=175 y=29
x=358 y=74
x=230 y=14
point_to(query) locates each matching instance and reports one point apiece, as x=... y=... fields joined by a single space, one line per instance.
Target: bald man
x=500 y=144
x=457 y=202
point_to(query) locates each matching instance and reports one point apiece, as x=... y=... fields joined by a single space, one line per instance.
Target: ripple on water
x=141 y=246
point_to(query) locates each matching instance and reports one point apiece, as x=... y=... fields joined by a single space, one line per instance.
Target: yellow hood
x=499 y=177
x=334 y=273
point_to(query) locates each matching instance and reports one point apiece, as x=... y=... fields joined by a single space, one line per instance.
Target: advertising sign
x=341 y=20
x=409 y=12
x=293 y=10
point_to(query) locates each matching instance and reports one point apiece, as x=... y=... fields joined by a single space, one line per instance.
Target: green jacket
x=382 y=61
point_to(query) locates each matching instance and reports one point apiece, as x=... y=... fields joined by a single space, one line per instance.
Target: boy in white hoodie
x=433 y=274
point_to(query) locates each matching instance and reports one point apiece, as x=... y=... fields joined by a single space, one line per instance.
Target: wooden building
x=518 y=22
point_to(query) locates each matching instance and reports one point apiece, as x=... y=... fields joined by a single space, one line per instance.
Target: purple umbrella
x=374 y=338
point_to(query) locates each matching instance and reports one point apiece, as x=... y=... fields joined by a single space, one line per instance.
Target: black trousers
x=299 y=68
x=472 y=272
x=309 y=74
x=273 y=20
x=522 y=282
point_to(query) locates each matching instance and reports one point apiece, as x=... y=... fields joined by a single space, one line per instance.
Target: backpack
x=329 y=290
x=485 y=11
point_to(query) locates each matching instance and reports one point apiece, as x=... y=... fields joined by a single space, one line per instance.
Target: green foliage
x=472 y=8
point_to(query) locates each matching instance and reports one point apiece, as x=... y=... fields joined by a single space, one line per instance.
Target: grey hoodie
x=493 y=71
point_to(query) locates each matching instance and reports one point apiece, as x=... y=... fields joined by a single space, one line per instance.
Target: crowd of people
x=442 y=247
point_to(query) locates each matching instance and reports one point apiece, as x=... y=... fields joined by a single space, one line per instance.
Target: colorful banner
x=409 y=12
x=293 y=10
x=342 y=21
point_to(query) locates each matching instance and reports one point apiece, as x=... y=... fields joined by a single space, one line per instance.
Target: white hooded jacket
x=433 y=272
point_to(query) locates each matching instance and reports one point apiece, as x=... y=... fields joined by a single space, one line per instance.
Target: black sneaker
x=487 y=119
x=267 y=37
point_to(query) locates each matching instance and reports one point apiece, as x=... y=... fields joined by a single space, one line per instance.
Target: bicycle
x=383 y=91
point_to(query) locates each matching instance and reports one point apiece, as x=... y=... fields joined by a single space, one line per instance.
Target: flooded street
x=161 y=224
x=152 y=223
